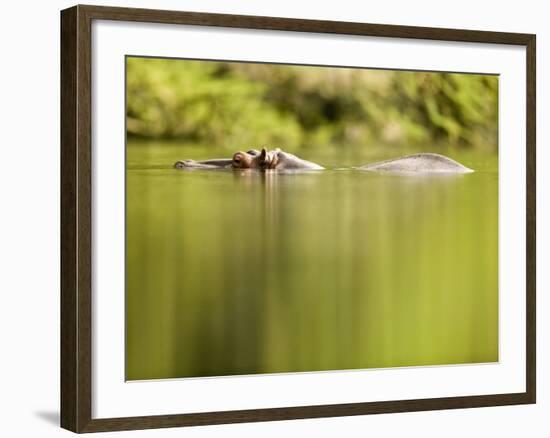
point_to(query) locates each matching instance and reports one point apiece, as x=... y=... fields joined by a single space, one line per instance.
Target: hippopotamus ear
x=263 y=154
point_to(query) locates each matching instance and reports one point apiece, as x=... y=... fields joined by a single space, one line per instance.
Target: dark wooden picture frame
x=76 y=218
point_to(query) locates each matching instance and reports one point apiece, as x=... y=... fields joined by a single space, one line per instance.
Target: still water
x=242 y=272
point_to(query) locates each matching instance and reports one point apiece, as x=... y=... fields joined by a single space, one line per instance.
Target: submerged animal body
x=417 y=164
x=423 y=163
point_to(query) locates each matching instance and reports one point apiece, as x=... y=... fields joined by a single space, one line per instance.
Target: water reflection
x=249 y=272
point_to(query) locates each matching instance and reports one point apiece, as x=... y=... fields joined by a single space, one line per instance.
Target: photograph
x=289 y=218
x=252 y=219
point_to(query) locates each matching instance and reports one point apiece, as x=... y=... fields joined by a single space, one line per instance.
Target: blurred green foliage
x=246 y=104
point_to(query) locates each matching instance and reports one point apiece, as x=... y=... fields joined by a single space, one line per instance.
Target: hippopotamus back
x=418 y=163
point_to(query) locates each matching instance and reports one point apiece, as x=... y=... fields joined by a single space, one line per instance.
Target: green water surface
x=243 y=272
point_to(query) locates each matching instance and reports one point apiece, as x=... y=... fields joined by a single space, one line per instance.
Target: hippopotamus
x=252 y=159
x=280 y=160
x=239 y=160
x=422 y=163
x=418 y=164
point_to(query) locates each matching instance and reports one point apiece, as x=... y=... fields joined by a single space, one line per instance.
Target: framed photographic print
x=271 y=218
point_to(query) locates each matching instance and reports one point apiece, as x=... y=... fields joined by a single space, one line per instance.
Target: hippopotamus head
x=269 y=159
x=254 y=159
x=246 y=160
